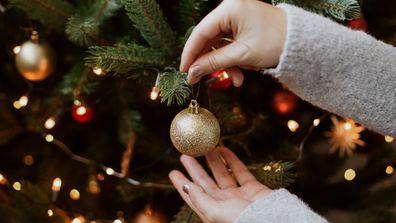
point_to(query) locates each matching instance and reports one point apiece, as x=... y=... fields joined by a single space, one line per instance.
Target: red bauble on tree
x=82 y=113
x=358 y=24
x=219 y=80
x=284 y=102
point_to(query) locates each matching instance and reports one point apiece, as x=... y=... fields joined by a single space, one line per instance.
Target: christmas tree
x=88 y=92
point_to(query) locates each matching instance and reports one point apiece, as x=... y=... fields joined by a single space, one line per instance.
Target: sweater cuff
x=280 y=206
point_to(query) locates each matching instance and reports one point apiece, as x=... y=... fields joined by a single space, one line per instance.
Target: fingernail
x=186 y=188
x=195 y=71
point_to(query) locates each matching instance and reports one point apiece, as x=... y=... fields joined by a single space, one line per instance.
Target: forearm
x=340 y=70
x=279 y=207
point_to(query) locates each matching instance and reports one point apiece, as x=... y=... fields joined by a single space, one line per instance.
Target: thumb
x=201 y=200
x=224 y=57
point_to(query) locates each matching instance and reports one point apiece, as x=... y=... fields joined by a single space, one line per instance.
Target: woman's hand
x=223 y=199
x=257 y=28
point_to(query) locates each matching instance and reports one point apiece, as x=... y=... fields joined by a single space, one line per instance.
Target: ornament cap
x=34 y=36
x=193 y=108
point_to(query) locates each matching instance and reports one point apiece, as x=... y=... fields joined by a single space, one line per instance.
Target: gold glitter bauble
x=34 y=61
x=195 y=131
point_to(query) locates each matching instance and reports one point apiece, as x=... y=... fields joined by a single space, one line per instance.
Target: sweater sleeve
x=279 y=206
x=340 y=70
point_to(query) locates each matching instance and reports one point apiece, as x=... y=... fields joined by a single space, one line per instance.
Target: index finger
x=211 y=26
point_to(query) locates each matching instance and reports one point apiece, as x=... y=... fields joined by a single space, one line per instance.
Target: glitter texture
x=195 y=131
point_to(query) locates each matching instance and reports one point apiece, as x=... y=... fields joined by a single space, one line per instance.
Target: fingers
x=198 y=174
x=211 y=26
x=220 y=171
x=241 y=172
x=227 y=56
x=179 y=181
x=194 y=195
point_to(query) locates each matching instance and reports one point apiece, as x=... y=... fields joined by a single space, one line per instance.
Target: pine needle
x=173 y=87
x=274 y=174
x=124 y=58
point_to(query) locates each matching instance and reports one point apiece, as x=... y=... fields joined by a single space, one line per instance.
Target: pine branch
x=52 y=13
x=186 y=215
x=191 y=12
x=148 y=19
x=173 y=87
x=274 y=174
x=124 y=58
x=338 y=9
x=83 y=28
x=77 y=82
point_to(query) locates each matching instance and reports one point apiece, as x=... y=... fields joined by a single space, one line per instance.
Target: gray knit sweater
x=340 y=70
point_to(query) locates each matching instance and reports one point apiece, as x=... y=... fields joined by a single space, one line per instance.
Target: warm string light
x=81 y=110
x=50 y=123
x=117 y=221
x=17 y=186
x=109 y=171
x=98 y=71
x=3 y=180
x=50 y=213
x=349 y=174
x=28 y=160
x=389 y=170
x=21 y=102
x=16 y=49
x=389 y=139
x=316 y=122
x=74 y=194
x=56 y=184
x=77 y=102
x=292 y=125
x=154 y=91
x=79 y=219
x=49 y=138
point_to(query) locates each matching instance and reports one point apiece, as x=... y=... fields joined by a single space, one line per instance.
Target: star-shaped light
x=344 y=136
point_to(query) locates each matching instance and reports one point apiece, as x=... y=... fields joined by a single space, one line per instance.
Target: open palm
x=223 y=198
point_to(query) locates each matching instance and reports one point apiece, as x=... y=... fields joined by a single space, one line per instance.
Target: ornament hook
x=193 y=108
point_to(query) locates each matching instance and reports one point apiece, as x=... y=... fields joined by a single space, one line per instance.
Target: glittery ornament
x=195 y=131
x=34 y=60
x=284 y=102
x=220 y=80
x=358 y=24
x=82 y=113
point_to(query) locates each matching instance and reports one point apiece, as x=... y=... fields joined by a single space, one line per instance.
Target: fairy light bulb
x=389 y=170
x=49 y=138
x=17 y=186
x=349 y=174
x=3 y=180
x=16 y=49
x=28 y=160
x=154 y=93
x=80 y=219
x=97 y=70
x=50 y=213
x=347 y=126
x=50 y=123
x=81 y=110
x=23 y=100
x=292 y=125
x=117 y=221
x=109 y=171
x=74 y=194
x=56 y=184
x=389 y=139
x=316 y=122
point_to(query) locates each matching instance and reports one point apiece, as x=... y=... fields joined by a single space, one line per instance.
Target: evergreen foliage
x=123 y=58
x=147 y=17
x=52 y=13
x=173 y=87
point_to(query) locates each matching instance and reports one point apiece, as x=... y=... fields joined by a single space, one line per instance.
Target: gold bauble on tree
x=34 y=60
x=195 y=131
